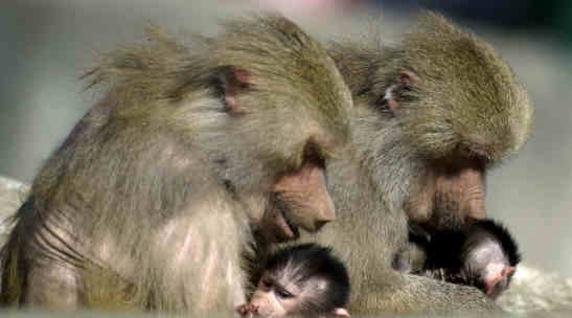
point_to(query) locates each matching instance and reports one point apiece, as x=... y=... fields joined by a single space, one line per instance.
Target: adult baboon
x=431 y=115
x=149 y=202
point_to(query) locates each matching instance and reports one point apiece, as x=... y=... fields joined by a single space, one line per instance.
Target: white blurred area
x=45 y=45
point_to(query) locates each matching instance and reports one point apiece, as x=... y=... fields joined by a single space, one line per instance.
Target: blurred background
x=45 y=45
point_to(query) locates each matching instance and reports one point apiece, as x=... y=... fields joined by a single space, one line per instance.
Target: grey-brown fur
x=462 y=111
x=148 y=202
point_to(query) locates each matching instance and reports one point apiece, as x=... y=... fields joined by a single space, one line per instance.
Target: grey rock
x=12 y=194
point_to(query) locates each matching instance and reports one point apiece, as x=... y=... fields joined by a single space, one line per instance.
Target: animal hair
x=158 y=182
x=462 y=110
x=499 y=233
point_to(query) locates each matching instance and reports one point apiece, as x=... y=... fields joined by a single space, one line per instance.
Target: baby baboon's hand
x=247 y=310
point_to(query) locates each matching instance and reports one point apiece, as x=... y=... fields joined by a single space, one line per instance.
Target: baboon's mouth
x=288 y=230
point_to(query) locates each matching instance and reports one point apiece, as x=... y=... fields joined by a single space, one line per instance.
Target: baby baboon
x=305 y=280
x=431 y=115
x=150 y=201
x=481 y=253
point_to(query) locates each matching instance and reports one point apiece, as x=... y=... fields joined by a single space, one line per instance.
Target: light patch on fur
x=290 y=276
x=207 y=268
x=489 y=252
x=106 y=251
x=322 y=284
x=389 y=92
x=202 y=112
x=314 y=290
x=171 y=156
x=235 y=279
x=60 y=280
x=254 y=205
x=207 y=288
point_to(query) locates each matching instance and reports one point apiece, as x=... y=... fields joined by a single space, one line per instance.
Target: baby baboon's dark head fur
x=302 y=263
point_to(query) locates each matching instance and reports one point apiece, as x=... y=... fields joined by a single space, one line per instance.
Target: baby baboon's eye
x=284 y=294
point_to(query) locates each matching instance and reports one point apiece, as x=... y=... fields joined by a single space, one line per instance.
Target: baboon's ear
x=403 y=81
x=407 y=78
x=232 y=80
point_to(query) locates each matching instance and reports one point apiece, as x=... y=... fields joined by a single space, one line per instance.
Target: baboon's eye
x=284 y=294
x=315 y=155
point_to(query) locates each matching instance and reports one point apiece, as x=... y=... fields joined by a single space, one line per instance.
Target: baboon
x=150 y=201
x=431 y=115
x=305 y=280
x=482 y=253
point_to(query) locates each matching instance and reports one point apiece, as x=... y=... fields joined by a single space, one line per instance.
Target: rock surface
x=535 y=291
x=12 y=193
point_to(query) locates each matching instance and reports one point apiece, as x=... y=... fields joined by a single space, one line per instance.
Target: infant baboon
x=305 y=280
x=481 y=253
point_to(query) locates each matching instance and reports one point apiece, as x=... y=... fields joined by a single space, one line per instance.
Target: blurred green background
x=45 y=45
